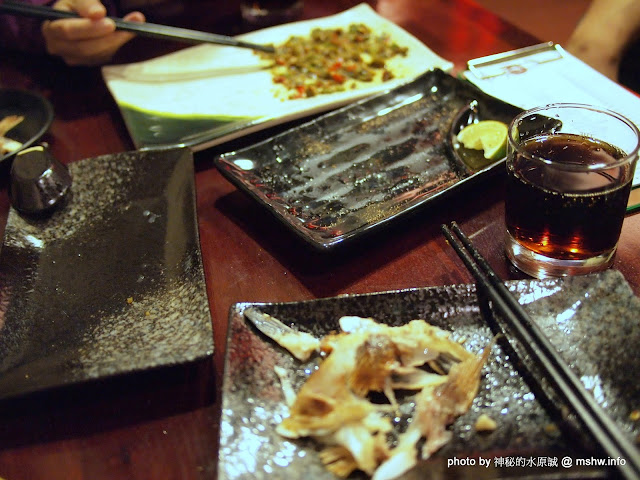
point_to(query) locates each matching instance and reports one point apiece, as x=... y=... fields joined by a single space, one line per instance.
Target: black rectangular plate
x=111 y=283
x=362 y=166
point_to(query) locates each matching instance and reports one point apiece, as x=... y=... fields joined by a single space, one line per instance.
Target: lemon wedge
x=487 y=135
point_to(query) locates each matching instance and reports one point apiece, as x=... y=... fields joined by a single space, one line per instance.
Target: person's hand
x=90 y=40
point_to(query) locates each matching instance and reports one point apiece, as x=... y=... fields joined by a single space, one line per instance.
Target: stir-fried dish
x=7 y=123
x=336 y=404
x=332 y=60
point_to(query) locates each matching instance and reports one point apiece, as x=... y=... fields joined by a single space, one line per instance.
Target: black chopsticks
x=152 y=30
x=602 y=429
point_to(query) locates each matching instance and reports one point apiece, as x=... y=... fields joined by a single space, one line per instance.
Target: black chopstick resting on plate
x=143 y=29
x=602 y=429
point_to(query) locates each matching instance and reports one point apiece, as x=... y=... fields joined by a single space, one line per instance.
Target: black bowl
x=38 y=115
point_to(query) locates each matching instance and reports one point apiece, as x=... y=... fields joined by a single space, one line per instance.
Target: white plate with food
x=24 y=118
x=401 y=399
x=205 y=95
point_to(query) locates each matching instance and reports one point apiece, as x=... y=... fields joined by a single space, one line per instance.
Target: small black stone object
x=39 y=182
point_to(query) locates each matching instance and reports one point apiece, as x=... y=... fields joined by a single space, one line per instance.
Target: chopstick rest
x=146 y=29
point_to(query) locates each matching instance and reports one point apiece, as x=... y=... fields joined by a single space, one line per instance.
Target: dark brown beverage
x=575 y=215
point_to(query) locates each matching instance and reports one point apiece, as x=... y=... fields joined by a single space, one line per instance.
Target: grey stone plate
x=111 y=283
x=592 y=321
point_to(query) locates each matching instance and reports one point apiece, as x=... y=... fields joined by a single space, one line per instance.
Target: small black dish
x=37 y=113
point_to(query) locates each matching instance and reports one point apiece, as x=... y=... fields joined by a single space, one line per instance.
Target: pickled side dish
x=8 y=145
x=332 y=60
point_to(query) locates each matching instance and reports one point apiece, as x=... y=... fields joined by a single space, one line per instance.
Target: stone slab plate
x=592 y=321
x=109 y=284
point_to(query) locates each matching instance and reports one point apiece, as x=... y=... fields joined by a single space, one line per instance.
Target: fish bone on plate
x=590 y=320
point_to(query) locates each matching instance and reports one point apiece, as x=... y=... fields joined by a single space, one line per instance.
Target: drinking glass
x=569 y=174
x=262 y=13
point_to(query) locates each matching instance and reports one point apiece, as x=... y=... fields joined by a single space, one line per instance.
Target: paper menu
x=546 y=73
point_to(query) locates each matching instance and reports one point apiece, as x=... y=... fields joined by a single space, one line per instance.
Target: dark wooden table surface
x=164 y=424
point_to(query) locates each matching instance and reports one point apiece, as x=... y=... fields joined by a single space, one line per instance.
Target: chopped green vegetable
x=332 y=60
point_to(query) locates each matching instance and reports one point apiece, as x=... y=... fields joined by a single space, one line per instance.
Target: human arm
x=603 y=34
x=22 y=33
x=89 y=40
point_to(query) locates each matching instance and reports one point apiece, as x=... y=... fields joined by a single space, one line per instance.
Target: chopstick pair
x=566 y=384
x=152 y=30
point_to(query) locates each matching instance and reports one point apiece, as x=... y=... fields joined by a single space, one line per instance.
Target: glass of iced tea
x=569 y=174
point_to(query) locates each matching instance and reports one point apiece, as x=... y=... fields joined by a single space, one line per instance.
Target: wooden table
x=164 y=424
